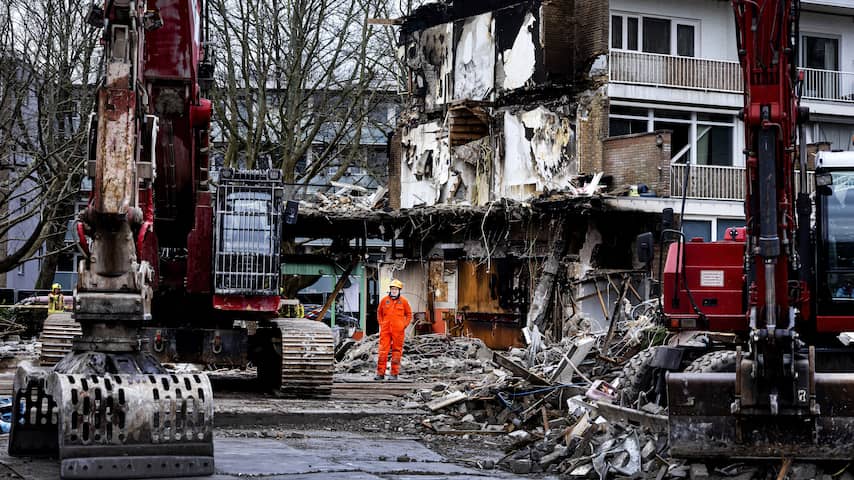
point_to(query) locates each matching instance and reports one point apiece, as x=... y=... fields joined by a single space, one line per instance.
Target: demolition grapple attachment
x=115 y=426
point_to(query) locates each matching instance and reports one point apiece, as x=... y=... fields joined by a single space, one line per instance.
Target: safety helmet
x=55 y=286
x=396 y=283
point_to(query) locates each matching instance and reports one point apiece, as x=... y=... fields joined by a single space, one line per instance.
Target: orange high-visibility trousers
x=393 y=315
x=391 y=339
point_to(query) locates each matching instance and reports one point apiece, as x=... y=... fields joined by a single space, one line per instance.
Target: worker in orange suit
x=393 y=315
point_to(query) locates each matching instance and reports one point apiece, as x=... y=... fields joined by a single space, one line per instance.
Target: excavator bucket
x=115 y=426
x=702 y=423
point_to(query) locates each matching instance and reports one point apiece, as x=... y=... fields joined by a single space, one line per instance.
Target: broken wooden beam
x=446 y=401
x=518 y=370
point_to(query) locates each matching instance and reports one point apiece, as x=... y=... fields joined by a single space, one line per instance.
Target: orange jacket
x=394 y=312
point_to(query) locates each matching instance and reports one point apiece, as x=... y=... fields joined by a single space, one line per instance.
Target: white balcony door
x=821 y=55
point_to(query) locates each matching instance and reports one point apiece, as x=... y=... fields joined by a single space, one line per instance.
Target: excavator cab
x=834 y=231
x=248 y=228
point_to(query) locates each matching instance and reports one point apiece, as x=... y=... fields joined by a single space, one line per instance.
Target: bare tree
x=46 y=59
x=298 y=79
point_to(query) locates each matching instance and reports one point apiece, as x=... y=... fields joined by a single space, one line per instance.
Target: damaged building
x=500 y=94
x=507 y=118
x=499 y=178
x=556 y=131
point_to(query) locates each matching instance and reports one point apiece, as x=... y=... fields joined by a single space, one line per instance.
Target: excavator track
x=57 y=333
x=308 y=358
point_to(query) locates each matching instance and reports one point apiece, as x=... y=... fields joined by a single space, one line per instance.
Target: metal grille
x=248 y=219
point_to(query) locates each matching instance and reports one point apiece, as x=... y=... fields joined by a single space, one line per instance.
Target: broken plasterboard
x=474 y=59
x=520 y=60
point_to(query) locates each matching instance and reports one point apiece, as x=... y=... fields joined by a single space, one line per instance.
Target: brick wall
x=637 y=158
x=592 y=25
x=558 y=33
x=591 y=130
x=394 y=171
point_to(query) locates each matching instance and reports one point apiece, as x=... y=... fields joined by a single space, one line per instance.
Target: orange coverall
x=393 y=315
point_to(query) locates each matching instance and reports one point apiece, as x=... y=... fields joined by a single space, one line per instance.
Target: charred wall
x=494 y=110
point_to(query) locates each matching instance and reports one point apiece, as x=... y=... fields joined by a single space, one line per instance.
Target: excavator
x=776 y=376
x=175 y=267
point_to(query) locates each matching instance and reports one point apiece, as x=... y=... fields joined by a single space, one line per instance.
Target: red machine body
x=784 y=390
x=714 y=274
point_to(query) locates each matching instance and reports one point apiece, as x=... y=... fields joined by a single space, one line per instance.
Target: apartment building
x=673 y=65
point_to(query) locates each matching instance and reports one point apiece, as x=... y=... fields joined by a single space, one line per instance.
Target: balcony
x=657 y=70
x=649 y=69
x=828 y=85
x=707 y=182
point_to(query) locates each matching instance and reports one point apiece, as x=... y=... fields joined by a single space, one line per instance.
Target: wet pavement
x=301 y=455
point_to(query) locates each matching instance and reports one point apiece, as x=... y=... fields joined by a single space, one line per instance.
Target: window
x=663 y=36
x=714 y=145
x=632 y=40
x=625 y=126
x=726 y=223
x=656 y=35
x=685 y=40
x=616 y=31
x=821 y=53
x=821 y=56
x=701 y=138
x=65 y=262
x=246 y=223
x=697 y=228
x=21 y=269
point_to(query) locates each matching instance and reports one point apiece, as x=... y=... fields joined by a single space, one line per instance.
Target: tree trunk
x=54 y=243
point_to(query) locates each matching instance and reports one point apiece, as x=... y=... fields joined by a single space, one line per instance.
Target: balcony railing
x=639 y=68
x=828 y=85
x=708 y=182
x=669 y=71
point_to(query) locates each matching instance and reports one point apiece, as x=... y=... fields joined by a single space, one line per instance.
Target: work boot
x=379 y=377
x=392 y=378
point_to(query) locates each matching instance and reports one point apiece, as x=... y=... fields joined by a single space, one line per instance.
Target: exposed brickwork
x=394 y=171
x=591 y=131
x=635 y=159
x=592 y=25
x=558 y=25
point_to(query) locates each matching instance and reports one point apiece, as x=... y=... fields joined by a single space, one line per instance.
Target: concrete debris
x=346 y=198
x=429 y=355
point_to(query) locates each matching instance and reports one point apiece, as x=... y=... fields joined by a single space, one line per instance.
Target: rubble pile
x=423 y=355
x=560 y=407
x=13 y=348
x=347 y=197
